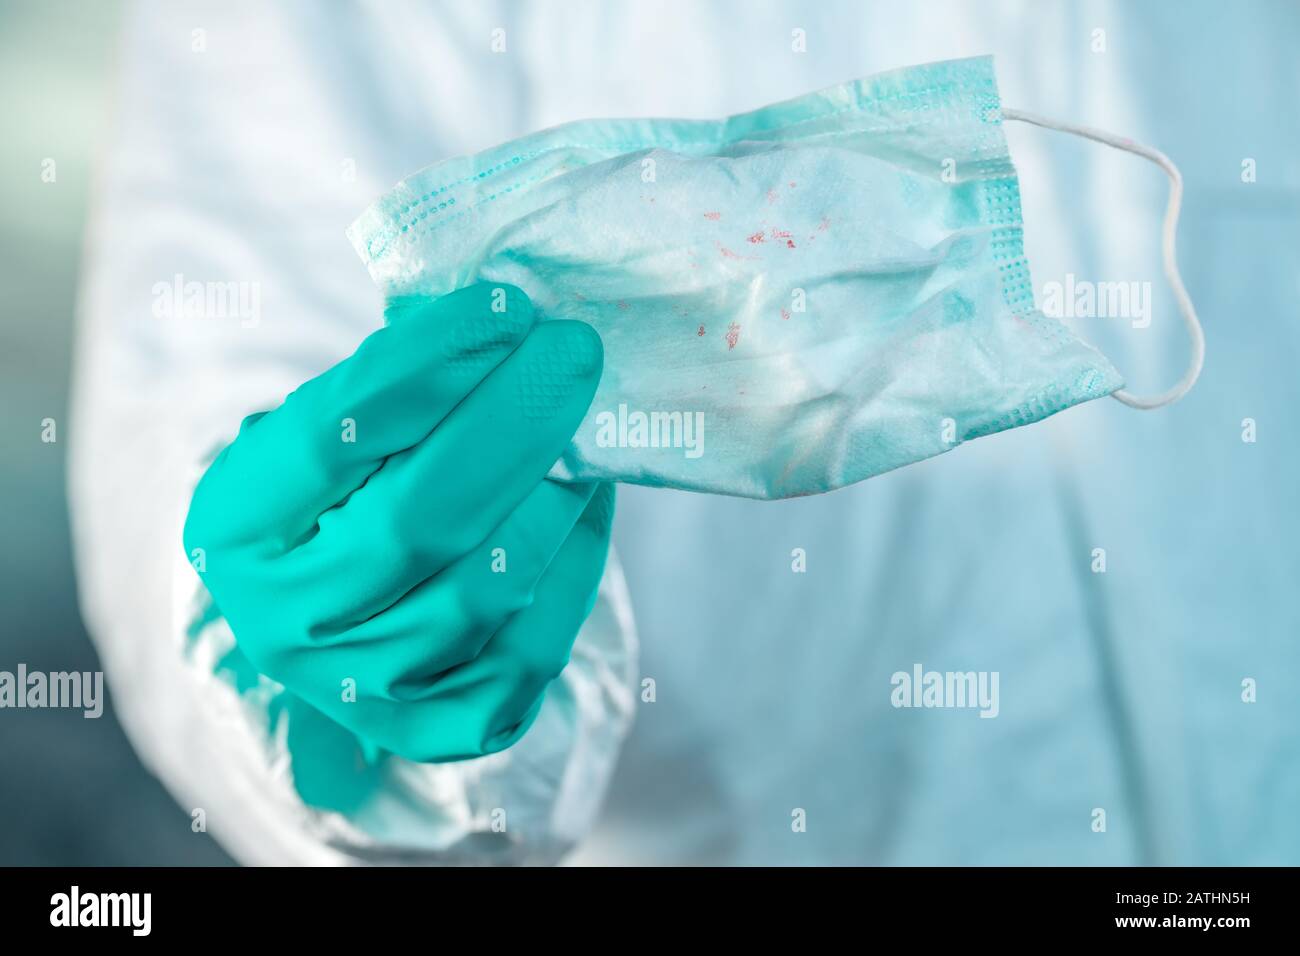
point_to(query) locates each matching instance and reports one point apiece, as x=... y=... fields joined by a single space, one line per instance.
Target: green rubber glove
x=385 y=543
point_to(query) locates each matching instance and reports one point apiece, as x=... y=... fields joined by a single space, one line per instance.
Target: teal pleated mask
x=791 y=300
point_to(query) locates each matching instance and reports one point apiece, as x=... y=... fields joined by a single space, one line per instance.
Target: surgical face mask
x=791 y=300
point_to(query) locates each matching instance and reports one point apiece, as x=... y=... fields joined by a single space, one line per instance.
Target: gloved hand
x=390 y=524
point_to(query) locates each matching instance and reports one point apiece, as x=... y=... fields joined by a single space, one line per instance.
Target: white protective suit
x=248 y=136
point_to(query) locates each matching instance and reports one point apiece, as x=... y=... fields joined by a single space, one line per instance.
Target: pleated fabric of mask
x=791 y=300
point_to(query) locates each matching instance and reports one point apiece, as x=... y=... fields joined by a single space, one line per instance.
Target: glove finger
x=444 y=621
x=430 y=505
x=288 y=466
x=487 y=704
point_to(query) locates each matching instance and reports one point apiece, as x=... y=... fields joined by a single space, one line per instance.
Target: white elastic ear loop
x=1170 y=256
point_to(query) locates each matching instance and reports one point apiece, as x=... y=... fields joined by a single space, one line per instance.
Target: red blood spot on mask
x=729 y=254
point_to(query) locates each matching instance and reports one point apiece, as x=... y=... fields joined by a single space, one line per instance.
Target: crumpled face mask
x=791 y=300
